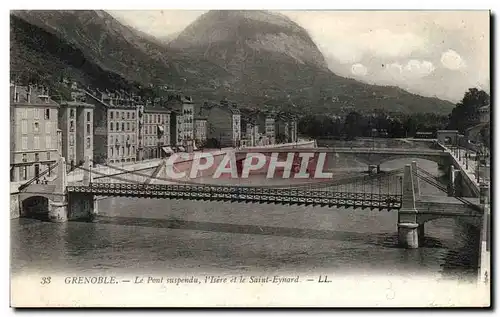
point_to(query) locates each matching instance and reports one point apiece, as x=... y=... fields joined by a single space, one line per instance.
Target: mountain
x=53 y=39
x=255 y=58
x=270 y=56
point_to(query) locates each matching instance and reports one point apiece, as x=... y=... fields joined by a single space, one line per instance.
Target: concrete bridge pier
x=408 y=227
x=82 y=206
x=58 y=209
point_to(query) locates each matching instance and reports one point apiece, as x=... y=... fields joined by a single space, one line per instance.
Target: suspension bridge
x=394 y=190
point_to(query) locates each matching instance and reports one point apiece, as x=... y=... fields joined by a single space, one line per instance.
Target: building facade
x=76 y=119
x=34 y=138
x=115 y=127
x=200 y=131
x=181 y=122
x=155 y=132
x=224 y=124
x=269 y=127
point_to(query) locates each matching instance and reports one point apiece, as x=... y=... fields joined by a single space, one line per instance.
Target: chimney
x=28 y=96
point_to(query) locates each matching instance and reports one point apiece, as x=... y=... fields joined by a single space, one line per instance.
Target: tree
x=353 y=125
x=466 y=113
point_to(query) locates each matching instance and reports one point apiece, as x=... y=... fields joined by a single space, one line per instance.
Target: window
x=123 y=115
x=117 y=126
x=88 y=128
x=133 y=150
x=36 y=113
x=128 y=115
x=23 y=173
x=37 y=157
x=133 y=126
x=36 y=142
x=47 y=114
x=48 y=158
x=111 y=125
x=48 y=127
x=123 y=126
x=71 y=126
x=88 y=143
x=71 y=139
x=24 y=142
x=111 y=115
x=111 y=149
x=36 y=127
x=48 y=142
x=24 y=126
x=128 y=126
x=88 y=116
x=133 y=115
x=25 y=158
x=72 y=113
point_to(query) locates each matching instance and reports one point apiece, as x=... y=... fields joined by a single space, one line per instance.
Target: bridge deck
x=347 y=150
x=288 y=196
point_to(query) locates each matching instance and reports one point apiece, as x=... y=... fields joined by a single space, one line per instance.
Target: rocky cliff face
x=217 y=34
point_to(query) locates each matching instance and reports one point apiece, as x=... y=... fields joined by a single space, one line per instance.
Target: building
x=154 y=132
x=484 y=114
x=249 y=131
x=480 y=132
x=293 y=134
x=76 y=122
x=269 y=128
x=282 y=129
x=224 y=124
x=115 y=127
x=181 y=121
x=33 y=135
x=200 y=130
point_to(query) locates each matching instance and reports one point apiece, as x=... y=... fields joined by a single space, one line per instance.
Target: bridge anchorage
x=394 y=190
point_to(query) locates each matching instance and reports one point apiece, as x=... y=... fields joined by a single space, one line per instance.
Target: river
x=148 y=236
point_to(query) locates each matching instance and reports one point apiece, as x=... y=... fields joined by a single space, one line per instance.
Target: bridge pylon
x=58 y=211
x=86 y=172
x=408 y=227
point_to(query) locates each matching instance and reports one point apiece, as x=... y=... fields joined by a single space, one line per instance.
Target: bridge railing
x=37 y=178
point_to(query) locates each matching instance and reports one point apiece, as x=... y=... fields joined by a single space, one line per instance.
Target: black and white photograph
x=250 y=158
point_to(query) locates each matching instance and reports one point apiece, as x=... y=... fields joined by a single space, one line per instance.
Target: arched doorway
x=36 y=207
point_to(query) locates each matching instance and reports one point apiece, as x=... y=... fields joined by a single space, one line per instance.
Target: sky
x=432 y=53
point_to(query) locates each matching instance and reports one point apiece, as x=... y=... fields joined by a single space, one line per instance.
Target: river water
x=149 y=236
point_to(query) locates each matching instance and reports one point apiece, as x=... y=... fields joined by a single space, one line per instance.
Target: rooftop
x=38 y=95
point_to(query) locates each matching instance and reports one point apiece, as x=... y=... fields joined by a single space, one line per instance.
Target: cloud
x=452 y=60
x=412 y=69
x=359 y=70
x=419 y=68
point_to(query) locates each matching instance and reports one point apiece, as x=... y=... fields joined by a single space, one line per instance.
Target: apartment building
x=154 y=132
x=115 y=127
x=224 y=124
x=181 y=121
x=200 y=130
x=269 y=128
x=33 y=135
x=76 y=119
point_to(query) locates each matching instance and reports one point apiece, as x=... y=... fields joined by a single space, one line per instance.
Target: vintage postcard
x=252 y=158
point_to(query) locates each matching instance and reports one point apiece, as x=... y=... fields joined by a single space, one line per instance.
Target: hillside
x=252 y=57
